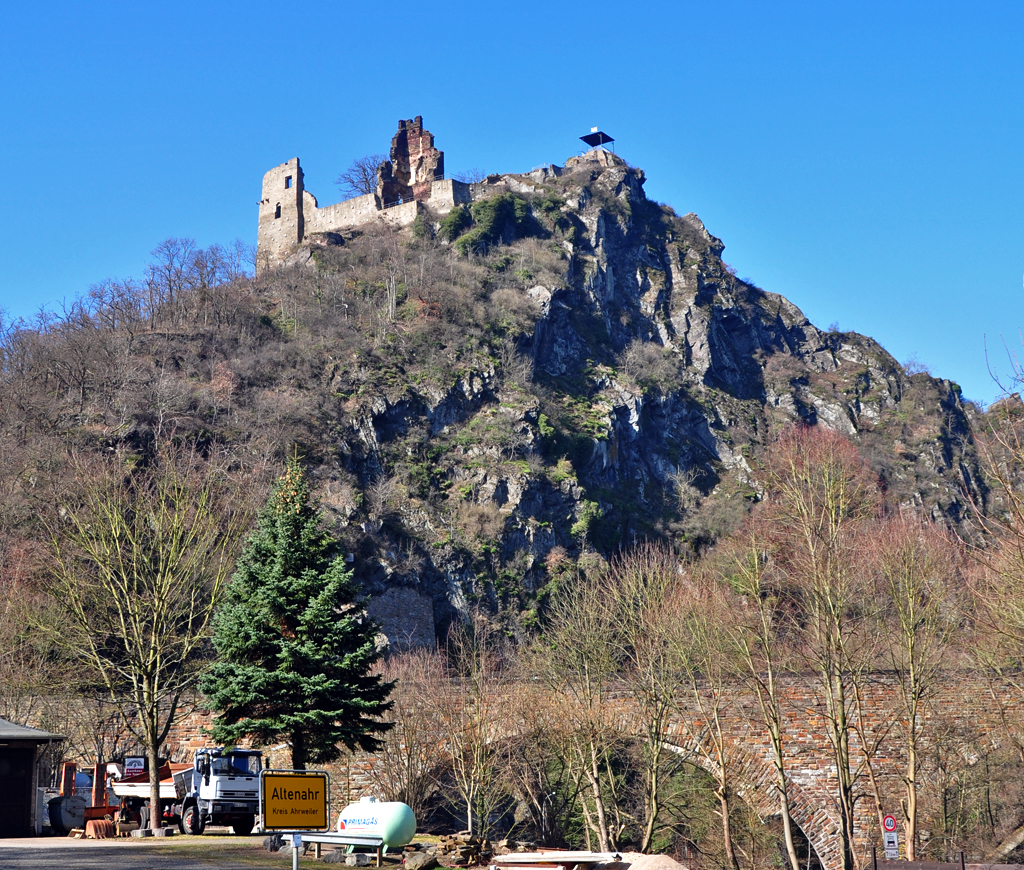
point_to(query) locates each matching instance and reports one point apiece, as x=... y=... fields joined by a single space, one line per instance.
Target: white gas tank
x=394 y=822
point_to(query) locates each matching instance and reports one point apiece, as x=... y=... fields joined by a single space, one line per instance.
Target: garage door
x=16 y=792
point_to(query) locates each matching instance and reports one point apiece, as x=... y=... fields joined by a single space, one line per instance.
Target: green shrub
x=502 y=263
x=590 y=511
x=455 y=223
x=500 y=219
x=550 y=204
x=563 y=470
x=421 y=228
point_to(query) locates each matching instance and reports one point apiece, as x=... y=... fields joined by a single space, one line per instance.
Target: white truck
x=221 y=788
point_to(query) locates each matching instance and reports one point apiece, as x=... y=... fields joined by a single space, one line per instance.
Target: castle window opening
x=277 y=211
x=287 y=182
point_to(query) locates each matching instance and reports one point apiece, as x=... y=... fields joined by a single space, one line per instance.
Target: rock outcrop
x=654 y=378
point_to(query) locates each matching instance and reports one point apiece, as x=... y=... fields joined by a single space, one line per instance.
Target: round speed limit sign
x=889 y=823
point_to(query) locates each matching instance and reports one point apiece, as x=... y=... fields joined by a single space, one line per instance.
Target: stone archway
x=809 y=806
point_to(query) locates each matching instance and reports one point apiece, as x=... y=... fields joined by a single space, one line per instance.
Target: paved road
x=58 y=853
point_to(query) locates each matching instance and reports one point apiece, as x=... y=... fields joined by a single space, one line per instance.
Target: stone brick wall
x=289 y=214
x=969 y=706
x=350 y=213
x=406 y=616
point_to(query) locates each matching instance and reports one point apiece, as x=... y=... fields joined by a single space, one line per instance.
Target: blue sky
x=863 y=159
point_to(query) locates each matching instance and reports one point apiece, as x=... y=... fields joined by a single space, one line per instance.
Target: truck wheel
x=192 y=820
x=243 y=827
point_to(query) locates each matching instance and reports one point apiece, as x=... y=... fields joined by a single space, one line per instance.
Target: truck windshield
x=237 y=765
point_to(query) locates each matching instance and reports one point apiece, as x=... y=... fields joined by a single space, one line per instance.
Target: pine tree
x=295 y=645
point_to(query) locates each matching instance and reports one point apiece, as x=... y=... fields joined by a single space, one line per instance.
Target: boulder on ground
x=420 y=861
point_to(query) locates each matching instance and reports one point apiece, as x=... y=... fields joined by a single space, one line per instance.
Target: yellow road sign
x=295 y=800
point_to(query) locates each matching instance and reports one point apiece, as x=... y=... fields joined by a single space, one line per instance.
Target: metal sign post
x=295 y=801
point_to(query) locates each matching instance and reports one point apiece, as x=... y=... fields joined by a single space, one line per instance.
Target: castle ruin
x=411 y=181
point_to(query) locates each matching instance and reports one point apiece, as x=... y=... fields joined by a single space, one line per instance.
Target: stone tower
x=281 y=223
x=414 y=166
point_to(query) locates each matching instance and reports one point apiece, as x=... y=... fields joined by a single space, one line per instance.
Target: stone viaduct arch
x=972 y=704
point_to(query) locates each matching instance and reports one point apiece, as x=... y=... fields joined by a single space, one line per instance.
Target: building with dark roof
x=20 y=751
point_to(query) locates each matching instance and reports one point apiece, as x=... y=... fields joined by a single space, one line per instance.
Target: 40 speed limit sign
x=889 y=824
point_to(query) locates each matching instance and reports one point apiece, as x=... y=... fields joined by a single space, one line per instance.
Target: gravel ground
x=175 y=853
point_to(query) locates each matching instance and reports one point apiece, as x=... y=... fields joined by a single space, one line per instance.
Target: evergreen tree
x=295 y=645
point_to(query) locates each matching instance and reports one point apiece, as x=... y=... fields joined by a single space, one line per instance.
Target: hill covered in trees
x=558 y=420
x=566 y=367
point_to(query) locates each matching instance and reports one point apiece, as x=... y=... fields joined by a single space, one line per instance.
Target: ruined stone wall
x=289 y=214
x=443 y=196
x=350 y=213
x=440 y=197
x=301 y=217
x=407 y=617
x=414 y=165
x=401 y=215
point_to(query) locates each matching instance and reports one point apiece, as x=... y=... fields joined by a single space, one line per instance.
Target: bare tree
x=917 y=572
x=539 y=762
x=647 y=636
x=820 y=497
x=470 y=707
x=361 y=177
x=406 y=768
x=998 y=582
x=702 y=609
x=140 y=557
x=28 y=671
x=577 y=660
x=389 y=263
x=756 y=632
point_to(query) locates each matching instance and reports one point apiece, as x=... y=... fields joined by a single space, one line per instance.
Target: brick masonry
x=972 y=706
x=411 y=181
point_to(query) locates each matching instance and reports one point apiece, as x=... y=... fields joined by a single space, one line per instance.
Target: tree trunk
x=298 y=751
x=593 y=776
x=910 y=810
x=840 y=726
x=787 y=822
x=155 y=814
x=148 y=705
x=724 y=809
x=653 y=802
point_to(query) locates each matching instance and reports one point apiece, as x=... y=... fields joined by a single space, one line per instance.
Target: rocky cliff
x=629 y=399
x=485 y=398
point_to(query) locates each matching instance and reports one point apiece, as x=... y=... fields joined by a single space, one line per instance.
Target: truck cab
x=222 y=788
